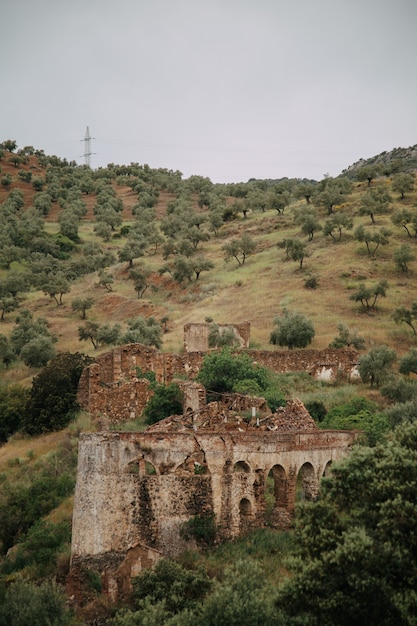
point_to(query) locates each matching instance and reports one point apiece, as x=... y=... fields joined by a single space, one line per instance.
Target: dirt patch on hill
x=119 y=309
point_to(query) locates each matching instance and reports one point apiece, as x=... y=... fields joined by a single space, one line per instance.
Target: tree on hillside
x=368 y=296
x=372 y=239
x=407 y=219
x=200 y=264
x=99 y=334
x=402 y=257
x=292 y=329
x=332 y=192
x=375 y=367
x=298 y=252
x=375 y=202
x=279 y=201
x=306 y=191
x=69 y=223
x=308 y=219
x=9 y=144
x=53 y=396
x=38 y=351
x=338 y=222
x=55 y=285
x=13 y=402
x=27 y=329
x=240 y=248
x=133 y=249
x=355 y=547
x=402 y=315
x=7 y=355
x=143 y=330
x=81 y=305
x=140 y=277
x=403 y=183
x=368 y=173
x=347 y=338
x=408 y=363
x=106 y=280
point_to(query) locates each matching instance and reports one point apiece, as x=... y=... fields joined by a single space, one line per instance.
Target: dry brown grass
x=255 y=292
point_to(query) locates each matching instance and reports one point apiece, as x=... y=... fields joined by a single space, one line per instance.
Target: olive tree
x=292 y=329
x=375 y=367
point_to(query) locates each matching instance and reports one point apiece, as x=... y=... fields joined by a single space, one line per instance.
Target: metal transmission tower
x=87 y=147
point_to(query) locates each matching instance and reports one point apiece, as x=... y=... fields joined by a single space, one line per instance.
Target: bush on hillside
x=53 y=398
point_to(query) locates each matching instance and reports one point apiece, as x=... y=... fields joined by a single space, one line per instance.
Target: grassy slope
x=254 y=292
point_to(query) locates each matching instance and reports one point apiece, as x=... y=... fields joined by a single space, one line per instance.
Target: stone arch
x=141 y=467
x=328 y=469
x=149 y=468
x=276 y=497
x=307 y=483
x=241 y=466
x=245 y=514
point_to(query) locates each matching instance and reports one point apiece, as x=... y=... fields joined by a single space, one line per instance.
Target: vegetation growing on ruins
x=90 y=259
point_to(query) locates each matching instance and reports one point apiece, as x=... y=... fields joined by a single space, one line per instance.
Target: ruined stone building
x=232 y=461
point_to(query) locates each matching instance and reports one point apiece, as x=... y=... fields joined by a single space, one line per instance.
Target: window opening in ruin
x=245 y=511
x=133 y=468
x=200 y=469
x=150 y=469
x=328 y=469
x=241 y=466
x=275 y=490
x=307 y=486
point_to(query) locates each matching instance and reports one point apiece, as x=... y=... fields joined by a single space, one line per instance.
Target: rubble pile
x=217 y=418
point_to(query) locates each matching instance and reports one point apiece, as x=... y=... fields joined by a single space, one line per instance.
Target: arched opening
x=141 y=467
x=327 y=469
x=245 y=514
x=276 y=491
x=241 y=466
x=150 y=470
x=307 y=484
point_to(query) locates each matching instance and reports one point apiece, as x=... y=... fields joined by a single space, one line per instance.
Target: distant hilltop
x=392 y=162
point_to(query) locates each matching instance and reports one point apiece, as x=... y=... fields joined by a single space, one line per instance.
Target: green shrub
x=27 y=604
x=39 y=548
x=202 y=528
x=53 y=397
x=13 y=402
x=222 y=371
x=166 y=401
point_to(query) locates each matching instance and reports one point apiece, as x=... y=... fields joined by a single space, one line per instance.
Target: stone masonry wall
x=134 y=491
x=111 y=389
x=196 y=335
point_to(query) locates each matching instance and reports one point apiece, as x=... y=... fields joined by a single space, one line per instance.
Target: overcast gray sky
x=229 y=89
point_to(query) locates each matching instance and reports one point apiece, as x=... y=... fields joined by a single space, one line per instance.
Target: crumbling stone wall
x=196 y=336
x=112 y=391
x=134 y=491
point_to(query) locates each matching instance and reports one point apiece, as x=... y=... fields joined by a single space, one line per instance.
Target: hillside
x=145 y=244
x=255 y=291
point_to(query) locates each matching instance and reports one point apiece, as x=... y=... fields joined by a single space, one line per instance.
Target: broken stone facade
x=113 y=389
x=135 y=491
x=231 y=460
x=196 y=336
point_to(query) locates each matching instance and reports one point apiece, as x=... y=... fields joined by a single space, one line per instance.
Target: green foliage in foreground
x=357 y=546
x=41 y=487
x=358 y=414
x=26 y=604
